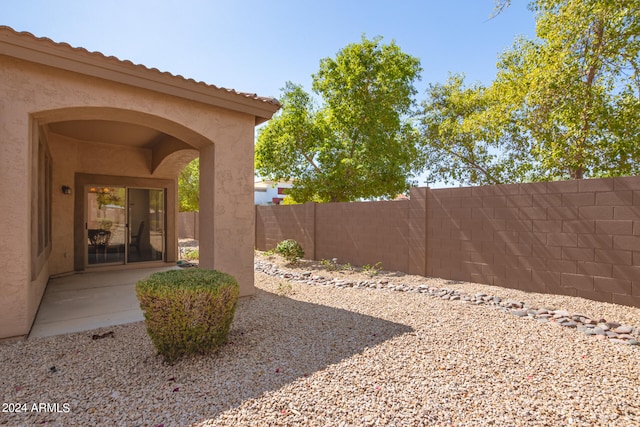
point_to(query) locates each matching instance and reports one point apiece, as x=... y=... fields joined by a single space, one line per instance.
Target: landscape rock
x=601 y=328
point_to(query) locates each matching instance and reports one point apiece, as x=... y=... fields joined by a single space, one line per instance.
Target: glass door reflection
x=146 y=225
x=124 y=225
x=106 y=225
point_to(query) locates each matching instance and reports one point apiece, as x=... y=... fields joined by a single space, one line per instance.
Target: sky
x=256 y=46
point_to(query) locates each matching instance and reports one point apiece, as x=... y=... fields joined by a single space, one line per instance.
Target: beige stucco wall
x=34 y=93
x=15 y=205
x=230 y=202
x=64 y=164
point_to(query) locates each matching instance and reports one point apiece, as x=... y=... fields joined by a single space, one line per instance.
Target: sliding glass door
x=124 y=225
x=146 y=225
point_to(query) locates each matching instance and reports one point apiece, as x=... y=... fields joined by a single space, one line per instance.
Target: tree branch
x=309 y=159
x=500 y=6
x=476 y=166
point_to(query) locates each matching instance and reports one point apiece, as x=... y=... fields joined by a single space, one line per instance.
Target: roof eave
x=62 y=56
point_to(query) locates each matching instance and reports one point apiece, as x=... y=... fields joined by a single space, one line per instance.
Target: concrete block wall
x=417 y=232
x=355 y=233
x=364 y=233
x=277 y=223
x=188 y=226
x=578 y=238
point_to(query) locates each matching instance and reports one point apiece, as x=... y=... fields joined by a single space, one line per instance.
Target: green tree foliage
x=189 y=187
x=463 y=144
x=359 y=143
x=566 y=105
x=110 y=196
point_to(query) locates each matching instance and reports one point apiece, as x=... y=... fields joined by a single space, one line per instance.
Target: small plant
x=191 y=254
x=372 y=270
x=290 y=250
x=284 y=288
x=330 y=265
x=188 y=311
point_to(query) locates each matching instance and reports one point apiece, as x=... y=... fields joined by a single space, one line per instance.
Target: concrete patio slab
x=90 y=300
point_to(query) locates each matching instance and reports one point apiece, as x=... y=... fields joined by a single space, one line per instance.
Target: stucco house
x=271 y=192
x=90 y=150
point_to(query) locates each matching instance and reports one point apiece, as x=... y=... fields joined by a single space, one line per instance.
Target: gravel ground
x=327 y=356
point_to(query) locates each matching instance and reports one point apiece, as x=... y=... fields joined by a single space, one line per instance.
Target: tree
x=189 y=187
x=500 y=6
x=359 y=143
x=566 y=105
x=461 y=144
x=569 y=90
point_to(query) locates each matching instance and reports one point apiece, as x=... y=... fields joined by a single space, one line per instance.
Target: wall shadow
x=283 y=341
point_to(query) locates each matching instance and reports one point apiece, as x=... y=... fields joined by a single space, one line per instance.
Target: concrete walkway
x=90 y=300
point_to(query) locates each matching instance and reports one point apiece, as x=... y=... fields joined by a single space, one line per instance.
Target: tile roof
x=26 y=37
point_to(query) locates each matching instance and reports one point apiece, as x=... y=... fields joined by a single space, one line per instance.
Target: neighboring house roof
x=263 y=185
x=42 y=50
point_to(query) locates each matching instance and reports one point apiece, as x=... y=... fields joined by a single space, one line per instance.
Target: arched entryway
x=118 y=170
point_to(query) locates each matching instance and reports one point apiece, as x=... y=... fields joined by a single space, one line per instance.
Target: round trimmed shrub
x=188 y=311
x=290 y=250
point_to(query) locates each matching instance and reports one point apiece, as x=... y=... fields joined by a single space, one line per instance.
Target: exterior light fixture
x=66 y=189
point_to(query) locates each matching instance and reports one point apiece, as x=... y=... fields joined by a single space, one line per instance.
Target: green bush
x=290 y=250
x=188 y=311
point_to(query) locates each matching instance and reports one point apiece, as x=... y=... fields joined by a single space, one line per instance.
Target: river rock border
x=598 y=328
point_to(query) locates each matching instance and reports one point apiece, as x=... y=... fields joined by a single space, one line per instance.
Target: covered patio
x=90 y=300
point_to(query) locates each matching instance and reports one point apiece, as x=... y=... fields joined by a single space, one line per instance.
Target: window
x=41 y=171
x=44 y=197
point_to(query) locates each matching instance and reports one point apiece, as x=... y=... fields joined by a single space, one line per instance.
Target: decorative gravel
x=327 y=355
x=595 y=326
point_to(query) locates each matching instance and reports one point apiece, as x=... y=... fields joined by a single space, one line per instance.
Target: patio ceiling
x=169 y=155
x=109 y=132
